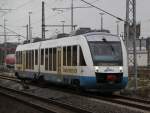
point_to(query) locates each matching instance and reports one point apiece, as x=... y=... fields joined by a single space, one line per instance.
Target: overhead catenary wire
x=13 y=31
x=24 y=4
x=20 y=6
x=104 y=11
x=33 y=12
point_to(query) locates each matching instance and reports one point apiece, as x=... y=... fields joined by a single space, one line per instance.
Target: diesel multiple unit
x=94 y=60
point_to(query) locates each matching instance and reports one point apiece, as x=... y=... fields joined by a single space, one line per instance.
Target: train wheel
x=24 y=84
x=42 y=82
x=17 y=75
x=106 y=93
x=76 y=84
x=34 y=78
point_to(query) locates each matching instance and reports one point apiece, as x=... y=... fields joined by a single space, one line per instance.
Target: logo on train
x=108 y=69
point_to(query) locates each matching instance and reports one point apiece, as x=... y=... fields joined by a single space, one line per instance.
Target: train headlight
x=96 y=68
x=121 y=69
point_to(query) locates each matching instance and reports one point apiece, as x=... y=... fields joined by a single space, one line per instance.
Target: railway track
x=117 y=99
x=9 y=78
x=40 y=103
x=137 y=103
x=126 y=101
x=133 y=99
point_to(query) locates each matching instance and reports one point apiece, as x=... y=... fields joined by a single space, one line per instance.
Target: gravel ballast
x=91 y=104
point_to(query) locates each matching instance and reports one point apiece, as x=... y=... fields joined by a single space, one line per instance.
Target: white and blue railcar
x=94 y=60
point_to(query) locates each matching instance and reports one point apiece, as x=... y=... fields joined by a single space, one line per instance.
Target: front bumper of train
x=91 y=83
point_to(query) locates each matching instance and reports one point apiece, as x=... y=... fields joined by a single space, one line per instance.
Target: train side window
x=50 y=59
x=82 y=60
x=46 y=59
x=21 y=57
x=42 y=56
x=69 y=56
x=74 y=60
x=26 y=59
x=30 y=56
x=17 y=57
x=64 y=56
x=36 y=57
x=32 y=59
x=54 y=59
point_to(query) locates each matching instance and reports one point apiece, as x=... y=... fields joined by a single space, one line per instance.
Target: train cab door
x=59 y=60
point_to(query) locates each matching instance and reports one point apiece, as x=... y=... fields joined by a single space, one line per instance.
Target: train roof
x=68 y=41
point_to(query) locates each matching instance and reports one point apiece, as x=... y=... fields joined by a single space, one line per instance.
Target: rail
x=118 y=99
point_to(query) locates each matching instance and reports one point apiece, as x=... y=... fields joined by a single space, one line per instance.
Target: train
x=10 y=60
x=92 y=60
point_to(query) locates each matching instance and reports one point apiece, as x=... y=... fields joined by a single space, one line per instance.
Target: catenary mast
x=131 y=33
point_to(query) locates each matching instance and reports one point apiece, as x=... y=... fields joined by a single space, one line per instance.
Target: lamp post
x=30 y=35
x=101 y=20
x=63 y=27
x=117 y=22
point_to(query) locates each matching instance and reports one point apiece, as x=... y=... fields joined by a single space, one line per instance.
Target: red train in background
x=10 y=60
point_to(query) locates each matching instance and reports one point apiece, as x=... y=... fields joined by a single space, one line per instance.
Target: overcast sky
x=18 y=16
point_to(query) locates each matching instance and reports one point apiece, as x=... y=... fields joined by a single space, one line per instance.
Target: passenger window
x=54 y=59
x=64 y=56
x=36 y=57
x=42 y=56
x=20 y=57
x=50 y=59
x=46 y=59
x=17 y=57
x=26 y=59
x=82 y=60
x=32 y=59
x=69 y=56
x=74 y=60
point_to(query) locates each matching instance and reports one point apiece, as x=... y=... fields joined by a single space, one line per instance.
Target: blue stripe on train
x=85 y=81
x=88 y=82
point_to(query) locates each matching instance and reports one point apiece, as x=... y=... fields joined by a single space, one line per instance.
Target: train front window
x=106 y=53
